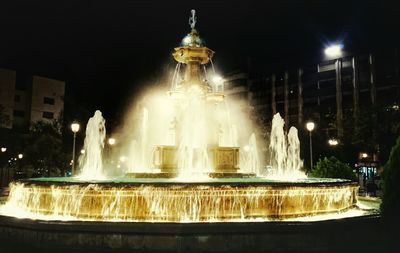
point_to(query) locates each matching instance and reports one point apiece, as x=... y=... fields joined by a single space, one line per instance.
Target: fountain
x=91 y=161
x=189 y=163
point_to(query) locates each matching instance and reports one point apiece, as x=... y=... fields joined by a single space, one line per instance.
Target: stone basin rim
x=176 y=228
x=169 y=183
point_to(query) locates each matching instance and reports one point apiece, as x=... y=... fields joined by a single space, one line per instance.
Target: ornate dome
x=192 y=39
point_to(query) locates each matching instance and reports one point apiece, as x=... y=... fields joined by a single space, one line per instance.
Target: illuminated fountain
x=189 y=162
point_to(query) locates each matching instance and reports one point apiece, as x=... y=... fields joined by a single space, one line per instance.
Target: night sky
x=107 y=51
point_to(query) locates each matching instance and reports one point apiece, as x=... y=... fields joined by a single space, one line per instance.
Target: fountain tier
x=157 y=200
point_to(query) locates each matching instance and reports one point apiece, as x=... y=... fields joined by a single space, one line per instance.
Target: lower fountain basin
x=170 y=200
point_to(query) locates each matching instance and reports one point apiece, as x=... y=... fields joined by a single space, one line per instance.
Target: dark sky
x=106 y=50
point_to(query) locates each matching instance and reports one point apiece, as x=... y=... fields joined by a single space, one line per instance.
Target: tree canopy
x=44 y=149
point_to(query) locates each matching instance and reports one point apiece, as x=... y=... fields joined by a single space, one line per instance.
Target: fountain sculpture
x=193 y=163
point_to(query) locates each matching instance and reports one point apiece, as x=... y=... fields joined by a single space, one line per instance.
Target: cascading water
x=91 y=162
x=277 y=146
x=285 y=152
x=250 y=156
x=143 y=135
x=294 y=164
x=192 y=150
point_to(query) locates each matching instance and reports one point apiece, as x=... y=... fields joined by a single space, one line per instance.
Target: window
x=48 y=101
x=48 y=115
x=17 y=98
x=18 y=113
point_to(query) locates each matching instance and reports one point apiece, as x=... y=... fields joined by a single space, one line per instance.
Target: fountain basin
x=168 y=200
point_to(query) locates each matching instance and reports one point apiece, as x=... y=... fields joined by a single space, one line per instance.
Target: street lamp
x=310 y=127
x=20 y=156
x=334 y=51
x=111 y=141
x=75 y=128
x=3 y=150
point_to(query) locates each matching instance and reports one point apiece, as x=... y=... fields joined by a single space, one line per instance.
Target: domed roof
x=192 y=39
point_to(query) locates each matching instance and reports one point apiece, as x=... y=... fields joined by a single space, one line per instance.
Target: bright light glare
x=364 y=155
x=83 y=151
x=20 y=156
x=217 y=79
x=75 y=127
x=111 y=141
x=310 y=126
x=334 y=50
x=333 y=142
x=3 y=149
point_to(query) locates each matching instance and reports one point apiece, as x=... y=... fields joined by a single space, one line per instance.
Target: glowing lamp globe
x=75 y=127
x=310 y=126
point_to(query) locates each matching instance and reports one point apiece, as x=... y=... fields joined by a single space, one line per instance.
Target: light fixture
x=364 y=155
x=20 y=156
x=75 y=127
x=3 y=149
x=334 y=50
x=111 y=141
x=310 y=126
x=333 y=142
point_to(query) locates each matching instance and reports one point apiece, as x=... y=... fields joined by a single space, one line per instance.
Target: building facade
x=339 y=95
x=27 y=99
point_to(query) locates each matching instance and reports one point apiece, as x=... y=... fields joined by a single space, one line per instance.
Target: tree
x=391 y=177
x=44 y=150
x=332 y=168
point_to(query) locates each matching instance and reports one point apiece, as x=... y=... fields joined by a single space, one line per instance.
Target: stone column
x=373 y=99
x=273 y=94
x=300 y=95
x=356 y=97
x=372 y=79
x=286 y=98
x=339 y=102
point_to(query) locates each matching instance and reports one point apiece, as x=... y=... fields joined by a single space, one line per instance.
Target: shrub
x=332 y=168
x=391 y=183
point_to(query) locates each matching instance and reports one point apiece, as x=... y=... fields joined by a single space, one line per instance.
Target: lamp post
x=3 y=150
x=111 y=142
x=75 y=128
x=23 y=173
x=310 y=127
